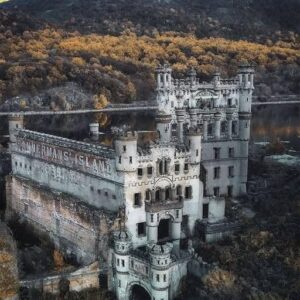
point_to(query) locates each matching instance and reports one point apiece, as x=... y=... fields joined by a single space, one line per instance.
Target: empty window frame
x=217 y=153
x=230 y=152
x=141 y=229
x=188 y=192
x=231 y=171
x=149 y=170
x=137 y=199
x=140 y=172
x=216 y=191
x=217 y=171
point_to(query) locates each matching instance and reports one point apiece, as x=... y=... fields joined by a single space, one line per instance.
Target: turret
x=246 y=83
x=246 y=76
x=160 y=259
x=126 y=151
x=217 y=118
x=15 y=123
x=192 y=75
x=122 y=247
x=180 y=113
x=216 y=78
x=194 y=116
x=164 y=77
x=193 y=137
x=164 y=127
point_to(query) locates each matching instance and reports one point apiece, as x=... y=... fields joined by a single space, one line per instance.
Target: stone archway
x=136 y=291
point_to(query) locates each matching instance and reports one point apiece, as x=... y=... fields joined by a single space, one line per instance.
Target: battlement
x=124 y=133
x=160 y=250
x=194 y=131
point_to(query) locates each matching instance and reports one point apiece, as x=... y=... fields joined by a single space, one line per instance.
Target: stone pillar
x=165 y=79
x=152 y=233
x=159 y=80
x=153 y=196
x=94 y=131
x=205 y=126
x=173 y=193
x=217 y=118
x=229 y=119
x=15 y=122
x=252 y=80
x=193 y=117
x=180 y=121
x=175 y=233
x=162 y=195
x=246 y=80
x=240 y=78
x=163 y=126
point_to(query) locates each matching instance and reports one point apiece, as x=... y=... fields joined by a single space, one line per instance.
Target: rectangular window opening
x=140 y=172
x=216 y=191
x=217 y=153
x=137 y=199
x=217 y=172
x=141 y=228
x=149 y=171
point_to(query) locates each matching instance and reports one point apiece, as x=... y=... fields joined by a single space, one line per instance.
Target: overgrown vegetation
x=261 y=262
x=120 y=68
x=9 y=283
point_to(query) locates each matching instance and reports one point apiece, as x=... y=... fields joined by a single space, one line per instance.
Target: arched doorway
x=164 y=228
x=137 y=292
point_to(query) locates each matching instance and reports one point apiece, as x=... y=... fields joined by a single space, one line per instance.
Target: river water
x=277 y=122
x=268 y=123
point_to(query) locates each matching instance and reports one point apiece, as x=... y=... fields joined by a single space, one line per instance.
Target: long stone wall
x=75 y=228
x=81 y=279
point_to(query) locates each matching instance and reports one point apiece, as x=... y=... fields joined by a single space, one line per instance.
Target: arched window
x=157 y=195
x=179 y=190
x=188 y=192
x=210 y=129
x=223 y=126
x=149 y=170
x=166 y=167
x=148 y=195
x=168 y=193
x=161 y=167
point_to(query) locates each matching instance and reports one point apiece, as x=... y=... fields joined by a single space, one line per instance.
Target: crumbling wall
x=81 y=279
x=199 y=268
x=78 y=230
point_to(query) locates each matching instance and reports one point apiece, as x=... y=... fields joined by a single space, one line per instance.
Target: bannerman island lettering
x=64 y=156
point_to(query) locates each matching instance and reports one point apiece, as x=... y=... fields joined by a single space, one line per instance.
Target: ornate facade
x=148 y=197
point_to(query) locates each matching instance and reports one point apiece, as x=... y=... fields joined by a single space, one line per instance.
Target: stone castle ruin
x=131 y=206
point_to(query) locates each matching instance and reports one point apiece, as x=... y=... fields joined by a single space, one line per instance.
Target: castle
x=130 y=206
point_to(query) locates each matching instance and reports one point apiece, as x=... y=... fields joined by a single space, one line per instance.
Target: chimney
x=94 y=131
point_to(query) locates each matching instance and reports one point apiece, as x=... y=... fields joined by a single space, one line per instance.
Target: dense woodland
x=110 y=48
x=35 y=56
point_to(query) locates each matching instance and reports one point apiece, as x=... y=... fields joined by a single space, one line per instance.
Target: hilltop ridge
x=252 y=20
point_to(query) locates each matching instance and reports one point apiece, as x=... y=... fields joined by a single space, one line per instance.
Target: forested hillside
x=110 y=48
x=253 y=20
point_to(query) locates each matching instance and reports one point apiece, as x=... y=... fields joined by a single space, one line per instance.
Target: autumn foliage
x=122 y=67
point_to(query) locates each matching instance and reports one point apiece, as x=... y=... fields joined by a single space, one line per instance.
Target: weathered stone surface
x=73 y=226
